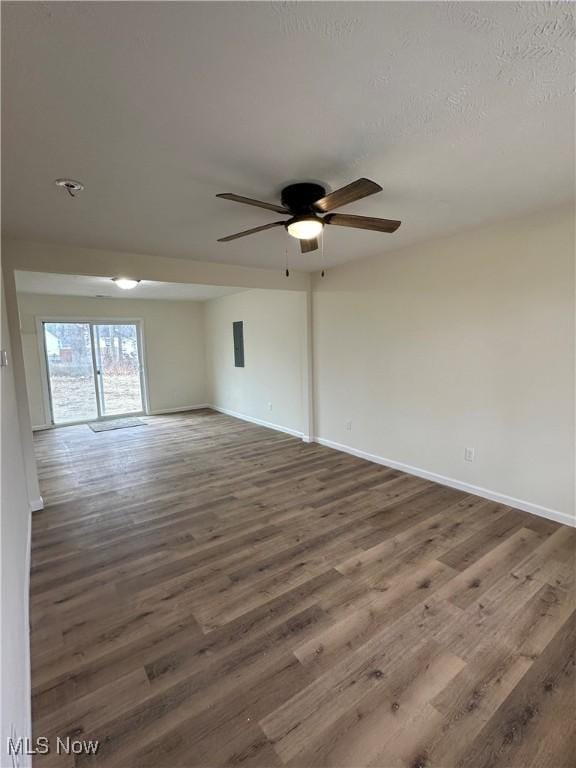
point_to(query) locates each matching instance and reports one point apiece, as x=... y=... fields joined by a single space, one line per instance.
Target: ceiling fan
x=305 y=202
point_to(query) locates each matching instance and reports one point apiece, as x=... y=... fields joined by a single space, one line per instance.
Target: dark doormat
x=105 y=426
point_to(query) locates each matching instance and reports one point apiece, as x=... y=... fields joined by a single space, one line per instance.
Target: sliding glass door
x=118 y=368
x=94 y=370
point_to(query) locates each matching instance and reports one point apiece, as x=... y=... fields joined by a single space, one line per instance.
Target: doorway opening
x=94 y=370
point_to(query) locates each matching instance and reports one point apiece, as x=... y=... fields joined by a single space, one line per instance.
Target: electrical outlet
x=348 y=426
x=269 y=406
x=469 y=454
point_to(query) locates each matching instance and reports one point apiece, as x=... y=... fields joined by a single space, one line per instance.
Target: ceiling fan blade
x=257 y=203
x=251 y=231
x=348 y=194
x=309 y=245
x=362 y=222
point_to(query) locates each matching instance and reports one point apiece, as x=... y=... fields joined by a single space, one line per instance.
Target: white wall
x=173 y=344
x=19 y=373
x=14 y=567
x=275 y=367
x=465 y=341
x=72 y=260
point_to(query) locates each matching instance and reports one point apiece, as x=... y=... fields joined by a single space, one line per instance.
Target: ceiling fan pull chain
x=287 y=271
x=322 y=263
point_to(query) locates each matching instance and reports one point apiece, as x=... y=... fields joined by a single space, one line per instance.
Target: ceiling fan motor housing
x=299 y=198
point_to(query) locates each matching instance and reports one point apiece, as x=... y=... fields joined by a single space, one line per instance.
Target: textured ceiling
x=463 y=112
x=103 y=287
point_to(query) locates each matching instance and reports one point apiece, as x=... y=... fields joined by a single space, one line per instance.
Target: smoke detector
x=72 y=187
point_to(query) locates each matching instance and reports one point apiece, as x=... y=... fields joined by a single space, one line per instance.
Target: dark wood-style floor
x=210 y=593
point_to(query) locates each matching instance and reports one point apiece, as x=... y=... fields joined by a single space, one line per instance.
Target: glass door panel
x=70 y=372
x=117 y=355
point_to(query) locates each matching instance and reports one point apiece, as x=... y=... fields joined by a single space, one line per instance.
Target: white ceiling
x=462 y=111
x=103 y=287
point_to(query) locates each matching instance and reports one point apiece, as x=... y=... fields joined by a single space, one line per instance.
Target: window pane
x=71 y=372
x=119 y=365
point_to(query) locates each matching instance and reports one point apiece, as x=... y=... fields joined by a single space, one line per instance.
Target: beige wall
x=173 y=344
x=73 y=260
x=14 y=567
x=462 y=342
x=271 y=386
x=10 y=302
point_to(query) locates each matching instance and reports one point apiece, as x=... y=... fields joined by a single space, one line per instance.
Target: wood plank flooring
x=205 y=592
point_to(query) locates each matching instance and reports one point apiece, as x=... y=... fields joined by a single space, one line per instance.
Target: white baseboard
x=37 y=504
x=525 y=506
x=180 y=409
x=260 y=422
x=40 y=427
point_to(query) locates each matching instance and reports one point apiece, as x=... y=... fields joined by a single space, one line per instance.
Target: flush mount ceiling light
x=71 y=186
x=305 y=227
x=126 y=283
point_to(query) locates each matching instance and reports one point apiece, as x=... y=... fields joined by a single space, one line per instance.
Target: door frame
x=91 y=321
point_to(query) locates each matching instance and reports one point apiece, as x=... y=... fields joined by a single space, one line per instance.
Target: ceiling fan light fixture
x=305 y=227
x=126 y=283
